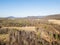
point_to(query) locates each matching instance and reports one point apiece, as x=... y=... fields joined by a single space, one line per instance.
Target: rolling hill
x=56 y=16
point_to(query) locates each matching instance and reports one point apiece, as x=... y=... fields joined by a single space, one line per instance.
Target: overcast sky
x=22 y=8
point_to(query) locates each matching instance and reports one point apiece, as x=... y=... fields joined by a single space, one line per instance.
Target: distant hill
x=56 y=16
x=10 y=17
x=34 y=17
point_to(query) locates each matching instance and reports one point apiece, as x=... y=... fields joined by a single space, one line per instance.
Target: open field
x=22 y=28
x=29 y=32
x=54 y=21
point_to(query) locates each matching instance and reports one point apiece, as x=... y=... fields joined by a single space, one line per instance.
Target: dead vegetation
x=28 y=32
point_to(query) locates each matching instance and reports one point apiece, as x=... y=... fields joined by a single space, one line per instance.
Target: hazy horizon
x=24 y=8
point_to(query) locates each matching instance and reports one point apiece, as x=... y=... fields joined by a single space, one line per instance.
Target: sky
x=23 y=8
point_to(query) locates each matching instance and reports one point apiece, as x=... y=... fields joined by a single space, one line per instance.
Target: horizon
x=32 y=15
x=24 y=8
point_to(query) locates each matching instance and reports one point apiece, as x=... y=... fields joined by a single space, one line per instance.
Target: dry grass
x=4 y=37
x=54 y=21
x=22 y=28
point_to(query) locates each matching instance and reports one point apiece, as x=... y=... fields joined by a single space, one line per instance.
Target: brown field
x=29 y=31
x=54 y=21
x=22 y=28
